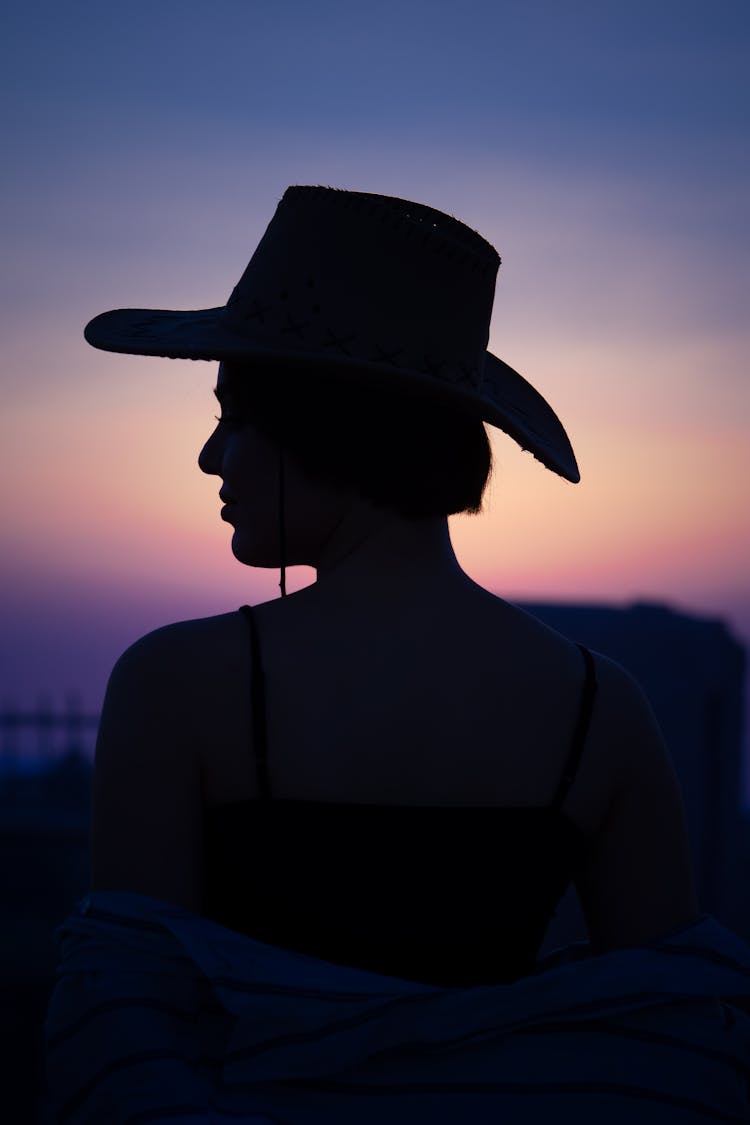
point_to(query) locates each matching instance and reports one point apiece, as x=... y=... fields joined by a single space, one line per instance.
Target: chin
x=265 y=555
x=252 y=553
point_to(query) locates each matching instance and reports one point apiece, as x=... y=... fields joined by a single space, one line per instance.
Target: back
x=476 y=707
x=461 y=702
x=408 y=895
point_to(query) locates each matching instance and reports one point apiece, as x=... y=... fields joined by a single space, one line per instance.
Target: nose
x=209 y=458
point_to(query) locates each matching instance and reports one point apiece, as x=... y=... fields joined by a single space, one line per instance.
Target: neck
x=374 y=550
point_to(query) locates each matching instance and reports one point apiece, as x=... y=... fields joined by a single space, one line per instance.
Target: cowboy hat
x=370 y=287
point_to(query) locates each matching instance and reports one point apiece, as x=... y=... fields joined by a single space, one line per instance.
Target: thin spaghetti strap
x=581 y=730
x=258 y=706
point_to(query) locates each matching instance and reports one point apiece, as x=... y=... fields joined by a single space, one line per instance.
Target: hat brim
x=506 y=400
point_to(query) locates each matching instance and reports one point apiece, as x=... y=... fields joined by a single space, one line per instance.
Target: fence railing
x=35 y=738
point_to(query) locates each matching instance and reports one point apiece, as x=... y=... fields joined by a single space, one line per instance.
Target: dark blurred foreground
x=692 y=670
x=43 y=870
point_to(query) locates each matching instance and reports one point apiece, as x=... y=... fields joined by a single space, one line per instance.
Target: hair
x=419 y=456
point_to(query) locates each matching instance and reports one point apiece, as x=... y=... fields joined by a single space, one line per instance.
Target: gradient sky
x=600 y=146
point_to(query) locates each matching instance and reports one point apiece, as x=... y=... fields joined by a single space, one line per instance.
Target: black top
x=451 y=896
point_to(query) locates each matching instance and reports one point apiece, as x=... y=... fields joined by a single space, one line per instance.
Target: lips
x=228 y=502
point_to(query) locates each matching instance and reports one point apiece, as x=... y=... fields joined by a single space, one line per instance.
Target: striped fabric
x=160 y=1015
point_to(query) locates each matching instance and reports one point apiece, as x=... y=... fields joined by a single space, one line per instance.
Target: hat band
x=275 y=325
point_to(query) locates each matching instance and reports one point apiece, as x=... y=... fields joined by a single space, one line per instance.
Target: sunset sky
x=601 y=147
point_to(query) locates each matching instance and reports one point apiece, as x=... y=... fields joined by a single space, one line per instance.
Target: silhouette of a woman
x=392 y=769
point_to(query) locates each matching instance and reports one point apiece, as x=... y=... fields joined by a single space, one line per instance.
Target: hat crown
x=390 y=208
x=342 y=275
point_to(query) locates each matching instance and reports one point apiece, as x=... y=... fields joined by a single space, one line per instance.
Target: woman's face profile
x=247 y=462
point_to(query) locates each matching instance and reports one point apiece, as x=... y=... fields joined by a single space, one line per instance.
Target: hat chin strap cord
x=282 y=524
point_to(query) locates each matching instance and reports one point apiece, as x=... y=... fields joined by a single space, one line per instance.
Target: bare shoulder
x=623 y=730
x=147 y=792
x=623 y=721
x=637 y=881
x=183 y=650
x=179 y=688
x=619 y=703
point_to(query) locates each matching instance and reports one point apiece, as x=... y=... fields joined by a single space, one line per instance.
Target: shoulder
x=158 y=711
x=637 y=881
x=163 y=666
x=183 y=642
x=181 y=659
x=623 y=720
x=167 y=692
x=625 y=757
x=624 y=743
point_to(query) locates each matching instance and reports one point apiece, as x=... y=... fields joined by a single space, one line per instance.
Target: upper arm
x=637 y=880
x=147 y=803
